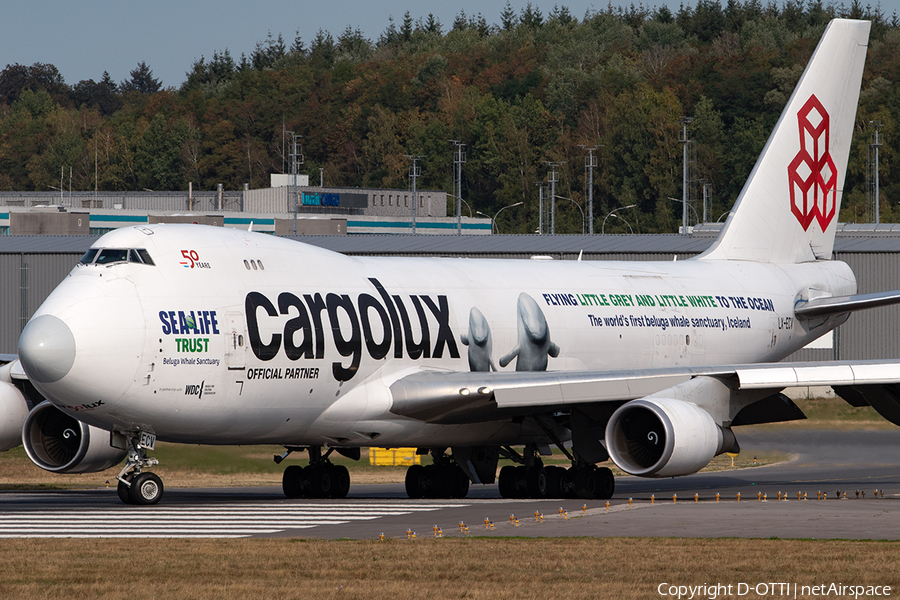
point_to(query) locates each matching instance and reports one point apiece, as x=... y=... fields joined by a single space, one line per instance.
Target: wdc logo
x=812 y=175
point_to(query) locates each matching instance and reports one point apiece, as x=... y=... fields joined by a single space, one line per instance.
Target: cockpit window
x=111 y=255
x=106 y=256
x=88 y=257
x=145 y=257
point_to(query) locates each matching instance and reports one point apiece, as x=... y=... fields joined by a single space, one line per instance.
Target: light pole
x=467 y=206
x=464 y=202
x=579 y=208
x=494 y=218
x=603 y=228
x=626 y=222
x=684 y=210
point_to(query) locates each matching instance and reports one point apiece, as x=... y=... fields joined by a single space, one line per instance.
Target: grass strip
x=492 y=569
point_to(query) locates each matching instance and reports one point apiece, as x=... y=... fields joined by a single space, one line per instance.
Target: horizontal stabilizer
x=822 y=307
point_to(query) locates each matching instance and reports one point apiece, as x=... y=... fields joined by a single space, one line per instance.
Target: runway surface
x=832 y=462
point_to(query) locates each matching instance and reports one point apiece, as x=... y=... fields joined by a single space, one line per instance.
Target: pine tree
x=142 y=81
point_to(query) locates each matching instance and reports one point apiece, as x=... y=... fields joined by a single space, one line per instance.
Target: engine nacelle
x=59 y=443
x=13 y=410
x=661 y=437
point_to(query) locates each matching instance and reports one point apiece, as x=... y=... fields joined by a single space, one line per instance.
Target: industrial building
x=281 y=210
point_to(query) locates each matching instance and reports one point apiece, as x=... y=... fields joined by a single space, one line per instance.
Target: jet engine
x=59 y=443
x=13 y=410
x=661 y=437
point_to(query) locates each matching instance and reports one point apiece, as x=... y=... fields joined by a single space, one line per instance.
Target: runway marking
x=210 y=521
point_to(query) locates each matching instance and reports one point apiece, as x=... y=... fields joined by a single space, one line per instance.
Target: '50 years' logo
x=192 y=260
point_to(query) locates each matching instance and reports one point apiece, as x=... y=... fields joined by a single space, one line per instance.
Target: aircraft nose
x=46 y=349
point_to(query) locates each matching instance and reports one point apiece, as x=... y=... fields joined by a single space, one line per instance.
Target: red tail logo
x=812 y=175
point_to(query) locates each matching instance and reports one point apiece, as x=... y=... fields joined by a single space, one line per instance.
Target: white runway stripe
x=211 y=521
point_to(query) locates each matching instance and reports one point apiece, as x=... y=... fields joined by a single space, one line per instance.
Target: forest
x=527 y=91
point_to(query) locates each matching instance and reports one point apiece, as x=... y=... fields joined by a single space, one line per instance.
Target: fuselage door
x=235 y=342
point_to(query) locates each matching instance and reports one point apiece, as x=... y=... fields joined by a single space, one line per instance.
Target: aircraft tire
x=549 y=480
x=587 y=483
x=459 y=483
x=532 y=481
x=292 y=480
x=427 y=481
x=321 y=482
x=413 y=481
x=567 y=484
x=441 y=481
x=146 y=489
x=507 y=481
x=124 y=490
x=521 y=481
x=606 y=483
x=341 y=481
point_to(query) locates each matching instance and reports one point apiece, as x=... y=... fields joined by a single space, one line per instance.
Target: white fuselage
x=236 y=337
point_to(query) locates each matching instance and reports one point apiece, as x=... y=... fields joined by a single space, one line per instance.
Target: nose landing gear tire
x=124 y=490
x=146 y=489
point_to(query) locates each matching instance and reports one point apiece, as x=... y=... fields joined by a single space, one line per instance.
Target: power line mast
x=589 y=166
x=689 y=177
x=414 y=172
x=296 y=156
x=459 y=159
x=540 y=185
x=873 y=199
x=552 y=179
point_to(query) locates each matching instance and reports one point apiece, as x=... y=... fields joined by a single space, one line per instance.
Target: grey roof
x=852 y=240
x=46 y=244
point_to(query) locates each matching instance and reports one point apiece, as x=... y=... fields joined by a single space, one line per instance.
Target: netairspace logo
x=774 y=590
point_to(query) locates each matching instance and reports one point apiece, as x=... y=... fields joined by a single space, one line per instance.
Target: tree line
x=531 y=90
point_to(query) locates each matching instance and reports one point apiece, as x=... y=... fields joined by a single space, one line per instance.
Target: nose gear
x=135 y=486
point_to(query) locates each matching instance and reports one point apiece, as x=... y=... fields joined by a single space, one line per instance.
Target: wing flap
x=586 y=388
x=775 y=375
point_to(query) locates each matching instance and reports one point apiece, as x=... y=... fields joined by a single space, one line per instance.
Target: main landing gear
x=442 y=479
x=533 y=480
x=135 y=485
x=320 y=479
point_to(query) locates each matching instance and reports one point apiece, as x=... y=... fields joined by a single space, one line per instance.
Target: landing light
x=464 y=391
x=484 y=390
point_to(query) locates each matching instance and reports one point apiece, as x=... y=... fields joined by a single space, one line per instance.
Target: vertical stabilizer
x=788 y=209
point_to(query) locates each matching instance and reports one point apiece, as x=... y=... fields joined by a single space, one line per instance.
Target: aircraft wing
x=441 y=397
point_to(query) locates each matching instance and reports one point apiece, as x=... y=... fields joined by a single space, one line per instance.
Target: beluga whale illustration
x=533 y=336
x=478 y=339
